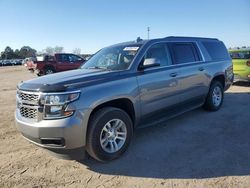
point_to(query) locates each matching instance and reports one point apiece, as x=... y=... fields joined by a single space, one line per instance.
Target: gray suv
x=122 y=87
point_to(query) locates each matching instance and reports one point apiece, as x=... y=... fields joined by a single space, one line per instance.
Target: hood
x=68 y=80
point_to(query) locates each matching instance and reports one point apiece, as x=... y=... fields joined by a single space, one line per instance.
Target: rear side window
x=184 y=53
x=216 y=50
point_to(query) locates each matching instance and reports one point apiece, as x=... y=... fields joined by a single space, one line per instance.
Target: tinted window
x=63 y=58
x=183 y=53
x=216 y=50
x=240 y=55
x=160 y=53
x=73 y=58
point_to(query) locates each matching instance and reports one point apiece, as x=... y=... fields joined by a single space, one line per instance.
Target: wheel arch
x=220 y=78
x=49 y=66
x=125 y=104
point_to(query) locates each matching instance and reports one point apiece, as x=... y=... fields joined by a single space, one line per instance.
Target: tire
x=215 y=97
x=101 y=121
x=49 y=70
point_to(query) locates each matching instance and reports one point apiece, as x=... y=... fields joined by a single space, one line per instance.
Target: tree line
x=27 y=51
x=24 y=52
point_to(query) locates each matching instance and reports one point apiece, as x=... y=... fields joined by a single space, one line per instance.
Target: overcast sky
x=91 y=25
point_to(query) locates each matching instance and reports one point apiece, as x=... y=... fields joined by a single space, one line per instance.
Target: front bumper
x=62 y=136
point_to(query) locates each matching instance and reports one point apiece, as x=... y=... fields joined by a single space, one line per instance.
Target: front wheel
x=109 y=133
x=215 y=97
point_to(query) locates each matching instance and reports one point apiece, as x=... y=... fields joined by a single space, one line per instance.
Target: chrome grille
x=28 y=112
x=28 y=97
x=28 y=104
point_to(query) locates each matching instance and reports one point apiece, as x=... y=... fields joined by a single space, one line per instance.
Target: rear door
x=158 y=86
x=192 y=79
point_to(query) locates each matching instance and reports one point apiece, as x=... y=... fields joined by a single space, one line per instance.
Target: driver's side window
x=74 y=58
x=160 y=54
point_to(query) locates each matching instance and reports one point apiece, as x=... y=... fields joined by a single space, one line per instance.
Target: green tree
x=8 y=53
x=27 y=51
x=24 y=52
x=50 y=50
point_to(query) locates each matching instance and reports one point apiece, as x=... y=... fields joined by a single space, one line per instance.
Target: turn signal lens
x=68 y=113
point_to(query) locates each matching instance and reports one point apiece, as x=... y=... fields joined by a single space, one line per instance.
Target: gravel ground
x=196 y=149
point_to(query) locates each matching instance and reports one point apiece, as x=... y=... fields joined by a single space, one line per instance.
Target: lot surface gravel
x=196 y=149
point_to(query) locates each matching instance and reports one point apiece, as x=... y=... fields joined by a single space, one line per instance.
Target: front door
x=75 y=61
x=158 y=86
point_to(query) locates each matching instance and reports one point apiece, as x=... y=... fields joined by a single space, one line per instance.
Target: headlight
x=55 y=104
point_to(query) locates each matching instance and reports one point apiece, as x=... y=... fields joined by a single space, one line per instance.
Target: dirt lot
x=197 y=149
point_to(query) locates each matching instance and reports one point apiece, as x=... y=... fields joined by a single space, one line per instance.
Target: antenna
x=148 y=29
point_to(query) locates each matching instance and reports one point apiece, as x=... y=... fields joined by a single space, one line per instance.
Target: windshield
x=113 y=58
x=240 y=55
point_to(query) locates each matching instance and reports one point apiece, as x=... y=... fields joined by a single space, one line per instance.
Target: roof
x=190 y=38
x=170 y=38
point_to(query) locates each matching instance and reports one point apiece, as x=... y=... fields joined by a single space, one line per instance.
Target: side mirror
x=149 y=62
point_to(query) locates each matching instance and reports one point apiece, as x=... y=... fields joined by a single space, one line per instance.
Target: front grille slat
x=29 y=97
x=28 y=104
x=28 y=112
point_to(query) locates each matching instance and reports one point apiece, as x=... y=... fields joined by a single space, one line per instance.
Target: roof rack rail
x=181 y=37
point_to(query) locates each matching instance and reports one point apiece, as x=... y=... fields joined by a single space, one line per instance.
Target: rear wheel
x=109 y=133
x=215 y=97
x=49 y=70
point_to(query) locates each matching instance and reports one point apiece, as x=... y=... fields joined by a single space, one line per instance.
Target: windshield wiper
x=96 y=67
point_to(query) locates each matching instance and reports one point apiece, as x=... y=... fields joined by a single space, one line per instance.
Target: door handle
x=201 y=69
x=173 y=74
